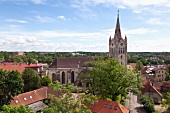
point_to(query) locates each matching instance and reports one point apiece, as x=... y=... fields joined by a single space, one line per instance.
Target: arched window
x=121 y=57
x=54 y=77
x=123 y=50
x=58 y=77
x=63 y=77
x=72 y=77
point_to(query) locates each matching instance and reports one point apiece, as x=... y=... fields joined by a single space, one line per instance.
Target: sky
x=83 y=25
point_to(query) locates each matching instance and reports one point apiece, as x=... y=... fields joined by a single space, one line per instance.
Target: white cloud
x=63 y=18
x=44 y=19
x=17 y=21
x=138 y=6
x=150 y=45
x=38 y=1
x=63 y=40
x=155 y=21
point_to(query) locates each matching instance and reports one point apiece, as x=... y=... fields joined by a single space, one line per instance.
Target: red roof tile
x=12 y=68
x=148 y=87
x=32 y=96
x=106 y=106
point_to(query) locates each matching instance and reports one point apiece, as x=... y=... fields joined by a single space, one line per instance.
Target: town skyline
x=83 y=25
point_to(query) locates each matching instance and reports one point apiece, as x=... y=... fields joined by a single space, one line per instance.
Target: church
x=66 y=70
x=118 y=45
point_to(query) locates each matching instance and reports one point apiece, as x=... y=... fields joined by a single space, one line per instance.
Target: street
x=133 y=104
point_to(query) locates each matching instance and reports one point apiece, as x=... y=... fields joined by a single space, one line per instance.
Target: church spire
x=117 y=30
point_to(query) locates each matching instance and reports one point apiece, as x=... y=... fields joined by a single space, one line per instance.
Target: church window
x=72 y=77
x=121 y=44
x=54 y=77
x=112 y=44
x=63 y=77
x=123 y=50
x=121 y=56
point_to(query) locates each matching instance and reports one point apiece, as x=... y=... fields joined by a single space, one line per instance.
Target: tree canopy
x=45 y=81
x=15 y=109
x=112 y=79
x=148 y=104
x=11 y=84
x=139 y=65
x=31 y=80
x=67 y=101
x=166 y=101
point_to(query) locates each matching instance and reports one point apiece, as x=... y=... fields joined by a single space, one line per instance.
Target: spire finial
x=117 y=13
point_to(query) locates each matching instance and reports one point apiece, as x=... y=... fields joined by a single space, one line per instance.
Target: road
x=133 y=104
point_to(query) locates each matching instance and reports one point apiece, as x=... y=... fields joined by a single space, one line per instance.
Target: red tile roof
x=12 y=68
x=70 y=62
x=32 y=96
x=106 y=106
x=149 y=87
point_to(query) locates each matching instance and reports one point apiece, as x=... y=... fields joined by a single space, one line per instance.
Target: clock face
x=121 y=44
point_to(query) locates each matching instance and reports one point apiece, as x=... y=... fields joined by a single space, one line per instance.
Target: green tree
x=45 y=81
x=112 y=80
x=18 y=59
x=166 y=101
x=31 y=80
x=148 y=104
x=67 y=102
x=15 y=109
x=139 y=65
x=11 y=84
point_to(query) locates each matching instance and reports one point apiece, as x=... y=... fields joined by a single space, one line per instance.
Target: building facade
x=118 y=45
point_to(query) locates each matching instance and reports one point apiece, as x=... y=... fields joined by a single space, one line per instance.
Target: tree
x=139 y=65
x=45 y=81
x=166 y=101
x=112 y=80
x=67 y=102
x=31 y=80
x=11 y=84
x=148 y=104
x=15 y=109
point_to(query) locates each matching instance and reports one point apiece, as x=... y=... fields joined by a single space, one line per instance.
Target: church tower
x=118 y=45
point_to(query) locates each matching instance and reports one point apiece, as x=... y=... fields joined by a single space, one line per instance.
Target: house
x=35 y=99
x=151 y=91
x=155 y=73
x=66 y=70
x=11 y=66
x=107 y=106
x=18 y=53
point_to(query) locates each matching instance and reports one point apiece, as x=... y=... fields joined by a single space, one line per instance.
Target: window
x=110 y=107
x=105 y=105
x=121 y=56
x=63 y=77
x=115 y=108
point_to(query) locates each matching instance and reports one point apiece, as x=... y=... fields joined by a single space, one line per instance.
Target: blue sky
x=83 y=25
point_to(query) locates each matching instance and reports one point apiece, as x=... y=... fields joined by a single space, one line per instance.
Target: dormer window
x=16 y=101
x=110 y=107
x=25 y=98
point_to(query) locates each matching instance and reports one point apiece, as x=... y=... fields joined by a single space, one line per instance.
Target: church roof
x=70 y=62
